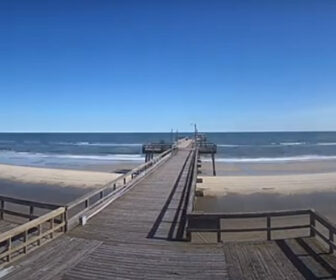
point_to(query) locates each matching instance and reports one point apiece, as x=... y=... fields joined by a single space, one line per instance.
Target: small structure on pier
x=154 y=148
x=207 y=148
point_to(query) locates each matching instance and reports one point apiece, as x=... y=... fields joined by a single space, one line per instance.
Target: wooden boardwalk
x=141 y=236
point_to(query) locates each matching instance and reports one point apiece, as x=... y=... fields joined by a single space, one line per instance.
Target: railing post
x=188 y=236
x=87 y=203
x=312 y=224
x=114 y=186
x=331 y=239
x=125 y=181
x=219 y=233
x=52 y=228
x=31 y=212
x=9 y=248
x=25 y=241
x=2 y=207
x=269 y=229
x=39 y=231
x=65 y=220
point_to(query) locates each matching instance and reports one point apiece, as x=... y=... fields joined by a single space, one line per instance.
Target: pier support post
x=213 y=164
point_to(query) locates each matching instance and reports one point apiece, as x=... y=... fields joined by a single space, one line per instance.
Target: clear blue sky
x=123 y=65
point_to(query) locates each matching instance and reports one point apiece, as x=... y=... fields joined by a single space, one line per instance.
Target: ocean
x=78 y=149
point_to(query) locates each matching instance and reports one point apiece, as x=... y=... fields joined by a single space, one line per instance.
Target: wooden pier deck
x=141 y=236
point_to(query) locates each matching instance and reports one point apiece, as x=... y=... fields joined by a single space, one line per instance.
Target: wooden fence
x=211 y=223
x=25 y=238
x=200 y=222
x=24 y=208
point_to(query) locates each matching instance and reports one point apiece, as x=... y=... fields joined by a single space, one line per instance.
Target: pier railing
x=48 y=221
x=212 y=223
x=200 y=222
x=23 y=208
x=25 y=238
x=81 y=209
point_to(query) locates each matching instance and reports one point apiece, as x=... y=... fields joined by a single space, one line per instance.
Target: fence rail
x=23 y=208
x=19 y=241
x=198 y=222
x=80 y=207
x=211 y=223
x=43 y=227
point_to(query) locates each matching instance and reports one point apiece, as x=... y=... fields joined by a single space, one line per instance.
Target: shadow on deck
x=175 y=207
x=299 y=258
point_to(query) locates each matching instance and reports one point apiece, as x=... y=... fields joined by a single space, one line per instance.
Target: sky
x=123 y=66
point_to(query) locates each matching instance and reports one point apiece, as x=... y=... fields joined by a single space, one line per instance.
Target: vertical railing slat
x=269 y=229
x=312 y=223
x=2 y=207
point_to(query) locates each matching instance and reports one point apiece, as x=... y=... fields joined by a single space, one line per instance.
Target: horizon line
x=101 y=132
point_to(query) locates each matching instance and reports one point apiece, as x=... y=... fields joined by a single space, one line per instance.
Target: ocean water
x=274 y=147
x=75 y=149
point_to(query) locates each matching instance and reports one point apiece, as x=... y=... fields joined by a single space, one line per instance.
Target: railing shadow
x=179 y=220
x=314 y=264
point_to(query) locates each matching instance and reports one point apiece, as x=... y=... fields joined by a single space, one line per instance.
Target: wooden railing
x=193 y=182
x=19 y=241
x=43 y=227
x=82 y=207
x=317 y=219
x=23 y=208
x=211 y=223
x=200 y=222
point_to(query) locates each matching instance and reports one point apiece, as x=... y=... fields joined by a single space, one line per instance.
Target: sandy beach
x=270 y=184
x=59 y=177
x=268 y=168
x=50 y=185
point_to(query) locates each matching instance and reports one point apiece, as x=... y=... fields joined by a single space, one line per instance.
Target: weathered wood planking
x=115 y=243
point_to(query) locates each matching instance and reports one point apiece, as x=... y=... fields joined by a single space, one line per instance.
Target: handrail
x=193 y=183
x=31 y=204
x=77 y=208
x=25 y=238
x=38 y=204
x=122 y=179
x=211 y=222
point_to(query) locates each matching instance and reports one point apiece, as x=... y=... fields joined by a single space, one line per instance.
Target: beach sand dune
x=59 y=177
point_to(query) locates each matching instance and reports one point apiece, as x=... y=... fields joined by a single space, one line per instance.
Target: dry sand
x=270 y=184
x=60 y=177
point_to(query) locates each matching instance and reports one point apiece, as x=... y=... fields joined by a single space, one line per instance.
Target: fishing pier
x=144 y=225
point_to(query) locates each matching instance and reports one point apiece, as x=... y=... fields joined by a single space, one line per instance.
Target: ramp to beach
x=141 y=235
